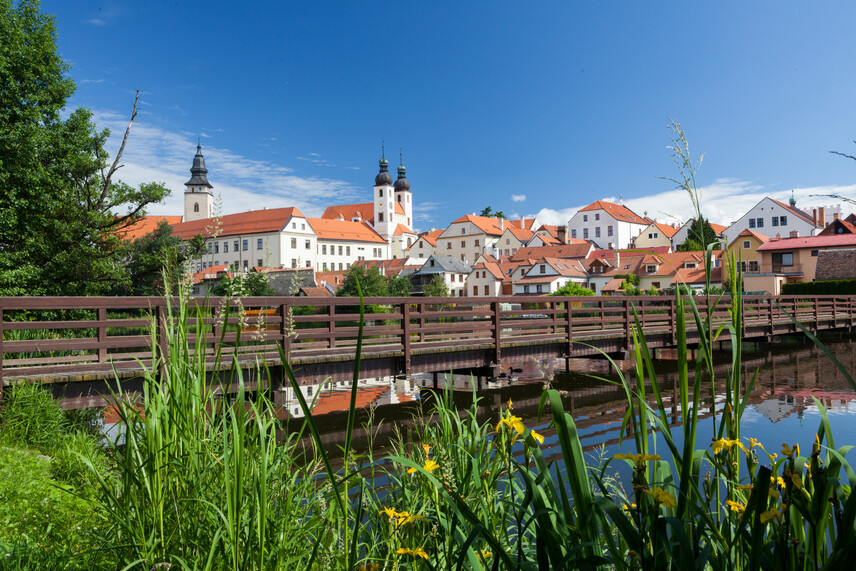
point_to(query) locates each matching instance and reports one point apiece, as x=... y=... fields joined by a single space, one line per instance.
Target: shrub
x=828 y=287
x=31 y=418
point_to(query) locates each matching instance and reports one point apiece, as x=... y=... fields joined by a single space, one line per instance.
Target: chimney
x=834 y=216
x=821 y=217
x=795 y=234
x=814 y=216
x=562 y=234
x=778 y=236
x=617 y=259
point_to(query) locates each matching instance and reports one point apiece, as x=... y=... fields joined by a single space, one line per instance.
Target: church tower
x=384 y=207
x=198 y=198
x=402 y=193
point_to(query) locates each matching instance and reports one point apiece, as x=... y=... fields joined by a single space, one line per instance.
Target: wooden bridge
x=79 y=341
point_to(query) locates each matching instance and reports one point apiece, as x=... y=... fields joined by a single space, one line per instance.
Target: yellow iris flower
x=727 y=444
x=418 y=552
x=512 y=422
x=429 y=466
x=735 y=506
x=638 y=459
x=789 y=451
x=662 y=497
x=537 y=437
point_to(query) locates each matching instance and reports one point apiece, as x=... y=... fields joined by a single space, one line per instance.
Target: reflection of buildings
x=777 y=407
x=336 y=397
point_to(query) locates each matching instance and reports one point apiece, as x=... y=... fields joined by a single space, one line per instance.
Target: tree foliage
x=699 y=236
x=436 y=287
x=573 y=288
x=488 y=211
x=372 y=283
x=157 y=255
x=60 y=208
x=243 y=284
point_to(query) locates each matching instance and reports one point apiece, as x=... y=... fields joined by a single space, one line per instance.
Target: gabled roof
x=146 y=225
x=546 y=239
x=522 y=234
x=431 y=237
x=838 y=227
x=561 y=251
x=836 y=265
x=617 y=211
x=610 y=254
x=487 y=224
x=796 y=212
x=209 y=273
x=665 y=229
x=444 y=264
x=344 y=230
x=813 y=242
x=401 y=229
x=613 y=285
x=549 y=229
x=563 y=268
x=315 y=292
x=364 y=211
x=252 y=222
x=718 y=228
x=695 y=276
x=523 y=223
x=748 y=232
x=491 y=267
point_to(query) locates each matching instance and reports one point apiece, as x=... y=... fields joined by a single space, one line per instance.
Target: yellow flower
x=772 y=514
x=537 y=437
x=430 y=466
x=789 y=451
x=663 y=497
x=753 y=442
x=735 y=507
x=629 y=507
x=485 y=554
x=727 y=444
x=368 y=567
x=509 y=405
x=418 y=552
x=513 y=423
x=795 y=478
x=408 y=518
x=390 y=513
x=638 y=459
x=426 y=449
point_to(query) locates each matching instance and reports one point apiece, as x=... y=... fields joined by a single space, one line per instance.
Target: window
x=448 y=245
x=420 y=254
x=324 y=267
x=340 y=266
x=294 y=243
x=216 y=247
x=543 y=269
x=760 y=223
x=259 y=245
x=475 y=290
x=294 y=225
x=597 y=216
x=225 y=247
x=380 y=192
x=460 y=293
x=463 y=230
x=508 y=240
x=476 y=242
x=743 y=267
x=585 y=217
x=236 y=245
x=783 y=259
x=303 y=226
x=651 y=269
x=420 y=244
x=526 y=289
x=814 y=253
x=486 y=290
x=463 y=243
x=751 y=223
x=655 y=285
x=210 y=248
x=539 y=290
x=204 y=265
x=747 y=245
x=783 y=220
x=347 y=250
x=380 y=217
x=293 y=262
x=585 y=233
x=775 y=220
x=246 y=263
x=609 y=231
x=399 y=198
x=308 y=244
x=340 y=250
x=597 y=232
x=196 y=207
x=261 y=263
x=309 y=264
x=753 y=265
x=574 y=234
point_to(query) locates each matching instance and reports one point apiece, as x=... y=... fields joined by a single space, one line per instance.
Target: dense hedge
x=828 y=287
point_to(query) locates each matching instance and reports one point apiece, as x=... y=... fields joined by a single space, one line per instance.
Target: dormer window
x=651 y=268
x=690 y=265
x=543 y=269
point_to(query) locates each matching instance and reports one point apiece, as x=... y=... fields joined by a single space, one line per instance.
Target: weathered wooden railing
x=60 y=337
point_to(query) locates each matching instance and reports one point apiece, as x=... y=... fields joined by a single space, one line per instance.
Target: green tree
x=436 y=287
x=155 y=255
x=488 y=211
x=243 y=284
x=60 y=209
x=372 y=283
x=572 y=288
x=398 y=286
x=699 y=235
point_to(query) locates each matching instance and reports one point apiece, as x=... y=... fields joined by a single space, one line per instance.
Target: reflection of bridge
x=84 y=340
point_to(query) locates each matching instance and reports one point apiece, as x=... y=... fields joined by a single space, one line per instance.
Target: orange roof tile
x=550 y=229
x=523 y=223
x=364 y=211
x=401 y=229
x=560 y=251
x=522 y=234
x=327 y=229
x=749 y=232
x=146 y=225
x=252 y=222
x=487 y=224
x=492 y=267
x=617 y=211
x=667 y=230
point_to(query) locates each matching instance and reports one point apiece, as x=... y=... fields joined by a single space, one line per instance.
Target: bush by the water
x=827 y=287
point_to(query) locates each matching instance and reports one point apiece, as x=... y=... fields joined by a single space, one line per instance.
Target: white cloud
x=518 y=197
x=155 y=154
x=96 y=22
x=82 y=81
x=722 y=202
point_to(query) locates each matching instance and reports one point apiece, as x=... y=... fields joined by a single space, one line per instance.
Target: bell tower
x=198 y=198
x=384 y=207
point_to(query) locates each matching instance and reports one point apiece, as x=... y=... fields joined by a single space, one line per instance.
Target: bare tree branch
x=108 y=180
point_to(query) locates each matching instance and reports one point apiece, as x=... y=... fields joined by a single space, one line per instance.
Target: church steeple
x=383 y=177
x=401 y=183
x=198 y=172
x=198 y=199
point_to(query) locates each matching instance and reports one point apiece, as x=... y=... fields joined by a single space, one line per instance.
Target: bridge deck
x=64 y=340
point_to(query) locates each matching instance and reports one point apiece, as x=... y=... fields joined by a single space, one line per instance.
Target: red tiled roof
x=401 y=229
x=521 y=234
x=146 y=225
x=617 y=211
x=836 y=265
x=252 y=222
x=796 y=212
x=610 y=254
x=364 y=211
x=813 y=242
x=696 y=276
x=209 y=273
x=336 y=401
x=316 y=292
x=487 y=224
x=492 y=267
x=561 y=251
x=327 y=229
x=748 y=232
x=431 y=237
x=550 y=230
x=667 y=230
x=613 y=285
x=522 y=224
x=831 y=228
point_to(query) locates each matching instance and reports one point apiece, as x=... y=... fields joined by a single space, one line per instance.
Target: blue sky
x=561 y=103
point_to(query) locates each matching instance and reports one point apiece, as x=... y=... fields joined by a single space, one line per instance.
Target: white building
x=485 y=280
x=198 y=198
x=549 y=274
x=340 y=243
x=774 y=219
x=610 y=226
x=469 y=236
x=424 y=247
x=453 y=271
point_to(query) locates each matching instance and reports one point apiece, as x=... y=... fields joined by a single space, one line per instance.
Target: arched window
x=196 y=207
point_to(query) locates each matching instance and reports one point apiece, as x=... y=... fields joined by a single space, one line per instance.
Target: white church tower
x=198 y=198
x=403 y=195
x=384 y=206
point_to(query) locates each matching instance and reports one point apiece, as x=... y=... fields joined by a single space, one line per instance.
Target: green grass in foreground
x=202 y=484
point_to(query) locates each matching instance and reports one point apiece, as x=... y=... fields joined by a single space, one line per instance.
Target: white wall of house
x=335 y=255
x=465 y=241
x=651 y=237
x=601 y=228
x=420 y=251
x=507 y=244
x=482 y=283
x=770 y=219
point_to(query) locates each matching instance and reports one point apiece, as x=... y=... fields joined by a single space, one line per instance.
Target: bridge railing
x=51 y=336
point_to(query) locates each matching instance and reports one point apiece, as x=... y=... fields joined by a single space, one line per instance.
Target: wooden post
x=602 y=315
x=673 y=317
x=772 y=323
x=497 y=338
x=422 y=326
x=627 y=325
x=332 y=325
x=405 y=335
x=816 y=313
x=2 y=383
x=570 y=325
x=102 y=335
